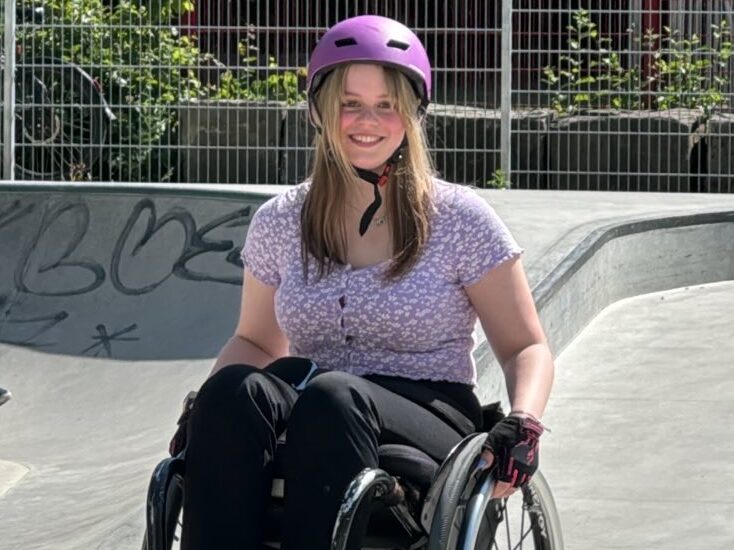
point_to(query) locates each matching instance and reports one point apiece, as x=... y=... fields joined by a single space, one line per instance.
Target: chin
x=371 y=166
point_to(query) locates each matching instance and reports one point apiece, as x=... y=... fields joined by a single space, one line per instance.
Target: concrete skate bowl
x=114 y=300
x=112 y=304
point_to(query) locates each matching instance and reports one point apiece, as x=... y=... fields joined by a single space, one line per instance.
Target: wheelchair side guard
x=369 y=480
x=160 y=481
x=468 y=444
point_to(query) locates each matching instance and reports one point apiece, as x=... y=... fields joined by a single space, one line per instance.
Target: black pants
x=334 y=424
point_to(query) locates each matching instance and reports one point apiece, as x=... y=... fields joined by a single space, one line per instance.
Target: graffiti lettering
x=59 y=258
x=195 y=244
x=104 y=339
x=14 y=212
x=200 y=245
x=53 y=261
x=153 y=225
x=45 y=322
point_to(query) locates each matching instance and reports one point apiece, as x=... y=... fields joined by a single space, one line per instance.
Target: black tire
x=515 y=523
x=61 y=121
x=451 y=504
x=172 y=521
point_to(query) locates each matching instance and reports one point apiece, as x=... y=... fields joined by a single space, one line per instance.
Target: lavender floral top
x=419 y=327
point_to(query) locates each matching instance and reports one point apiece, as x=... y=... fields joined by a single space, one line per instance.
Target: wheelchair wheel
x=61 y=121
x=527 y=520
x=163 y=529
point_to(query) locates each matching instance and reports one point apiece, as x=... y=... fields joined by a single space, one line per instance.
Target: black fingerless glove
x=178 y=441
x=514 y=443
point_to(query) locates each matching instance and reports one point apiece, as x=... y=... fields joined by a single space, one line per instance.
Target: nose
x=368 y=113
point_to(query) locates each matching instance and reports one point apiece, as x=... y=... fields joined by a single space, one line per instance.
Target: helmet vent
x=397 y=44
x=345 y=42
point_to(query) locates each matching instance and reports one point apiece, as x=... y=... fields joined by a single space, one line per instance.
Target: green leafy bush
x=687 y=73
x=499 y=180
x=592 y=75
x=246 y=83
x=682 y=71
x=144 y=69
x=147 y=69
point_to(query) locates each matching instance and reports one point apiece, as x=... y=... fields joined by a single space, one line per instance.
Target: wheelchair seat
x=408 y=463
x=402 y=461
x=413 y=468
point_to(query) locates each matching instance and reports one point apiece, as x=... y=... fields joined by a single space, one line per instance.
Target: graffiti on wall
x=52 y=262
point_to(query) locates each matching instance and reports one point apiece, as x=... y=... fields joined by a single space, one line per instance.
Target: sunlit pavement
x=642 y=418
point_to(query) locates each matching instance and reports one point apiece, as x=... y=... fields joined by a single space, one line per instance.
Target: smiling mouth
x=365 y=141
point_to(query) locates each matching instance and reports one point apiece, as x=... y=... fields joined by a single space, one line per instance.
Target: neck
x=362 y=194
x=377 y=182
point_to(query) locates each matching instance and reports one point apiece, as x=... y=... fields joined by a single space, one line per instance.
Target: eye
x=385 y=105
x=350 y=104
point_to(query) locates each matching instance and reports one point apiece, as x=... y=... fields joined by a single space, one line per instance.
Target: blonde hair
x=408 y=198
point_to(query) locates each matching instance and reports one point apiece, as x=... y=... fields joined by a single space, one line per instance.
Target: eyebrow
x=355 y=94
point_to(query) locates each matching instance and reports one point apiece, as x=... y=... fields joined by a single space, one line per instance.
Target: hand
x=178 y=441
x=513 y=442
x=502 y=489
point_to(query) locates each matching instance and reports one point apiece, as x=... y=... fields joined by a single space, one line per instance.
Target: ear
x=422 y=112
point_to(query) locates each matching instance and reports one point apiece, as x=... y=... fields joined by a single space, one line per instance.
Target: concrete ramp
x=124 y=276
x=88 y=431
x=114 y=301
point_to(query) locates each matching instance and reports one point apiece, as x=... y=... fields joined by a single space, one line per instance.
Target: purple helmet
x=373 y=39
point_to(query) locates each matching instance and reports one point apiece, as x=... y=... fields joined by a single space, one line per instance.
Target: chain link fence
x=603 y=94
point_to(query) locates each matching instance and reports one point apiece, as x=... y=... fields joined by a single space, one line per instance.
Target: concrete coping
x=617 y=261
x=599 y=237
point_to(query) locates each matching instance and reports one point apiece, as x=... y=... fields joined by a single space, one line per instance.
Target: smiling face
x=371 y=127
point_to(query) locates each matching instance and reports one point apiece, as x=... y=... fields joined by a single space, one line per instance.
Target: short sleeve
x=261 y=250
x=482 y=240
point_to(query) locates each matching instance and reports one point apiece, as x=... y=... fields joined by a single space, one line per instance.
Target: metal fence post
x=9 y=92
x=506 y=94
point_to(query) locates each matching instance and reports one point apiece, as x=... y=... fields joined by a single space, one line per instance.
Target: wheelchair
x=413 y=504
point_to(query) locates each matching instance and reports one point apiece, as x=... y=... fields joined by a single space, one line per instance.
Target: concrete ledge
x=619 y=261
x=630 y=259
x=614 y=150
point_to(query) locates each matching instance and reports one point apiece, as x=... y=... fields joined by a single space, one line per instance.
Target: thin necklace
x=379 y=221
x=376 y=221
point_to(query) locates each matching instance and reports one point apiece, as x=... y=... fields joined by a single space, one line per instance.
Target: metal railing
x=541 y=94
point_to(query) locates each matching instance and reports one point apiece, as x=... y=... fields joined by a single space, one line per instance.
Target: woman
x=361 y=290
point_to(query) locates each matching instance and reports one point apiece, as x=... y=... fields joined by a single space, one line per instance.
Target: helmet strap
x=377 y=181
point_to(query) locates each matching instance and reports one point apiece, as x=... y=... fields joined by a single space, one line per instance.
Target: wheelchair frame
x=456 y=513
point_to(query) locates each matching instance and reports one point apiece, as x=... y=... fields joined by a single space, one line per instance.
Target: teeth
x=365 y=139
